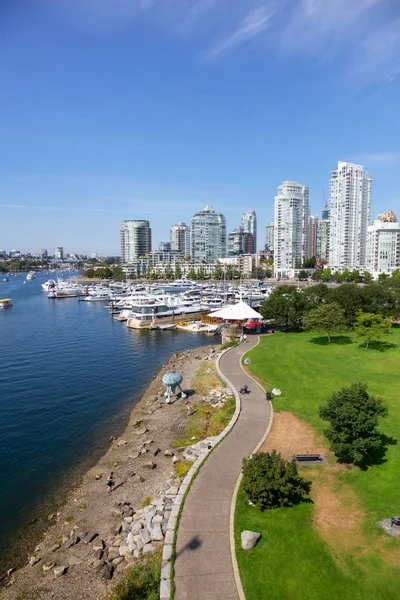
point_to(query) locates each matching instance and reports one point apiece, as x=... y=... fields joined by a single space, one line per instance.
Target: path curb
x=168 y=555
x=235 y=566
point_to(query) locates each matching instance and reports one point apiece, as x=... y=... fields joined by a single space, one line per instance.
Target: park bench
x=307 y=457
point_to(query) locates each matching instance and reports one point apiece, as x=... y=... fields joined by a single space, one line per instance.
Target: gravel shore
x=89 y=509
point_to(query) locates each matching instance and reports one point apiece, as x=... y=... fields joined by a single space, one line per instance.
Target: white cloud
x=364 y=35
x=254 y=23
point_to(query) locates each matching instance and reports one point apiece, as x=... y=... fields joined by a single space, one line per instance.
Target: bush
x=141 y=581
x=270 y=481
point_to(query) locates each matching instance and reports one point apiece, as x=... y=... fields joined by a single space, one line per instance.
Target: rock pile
x=218 y=396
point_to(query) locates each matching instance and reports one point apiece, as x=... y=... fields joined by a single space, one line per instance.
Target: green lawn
x=293 y=561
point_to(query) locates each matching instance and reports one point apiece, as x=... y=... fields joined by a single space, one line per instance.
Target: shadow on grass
x=379 y=346
x=339 y=340
x=377 y=457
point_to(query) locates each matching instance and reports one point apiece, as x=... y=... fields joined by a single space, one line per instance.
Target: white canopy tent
x=236 y=312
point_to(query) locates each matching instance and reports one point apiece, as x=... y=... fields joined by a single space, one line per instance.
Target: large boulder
x=249 y=539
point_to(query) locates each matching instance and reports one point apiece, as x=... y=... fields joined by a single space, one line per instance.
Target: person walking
x=110 y=482
x=189 y=409
x=244 y=337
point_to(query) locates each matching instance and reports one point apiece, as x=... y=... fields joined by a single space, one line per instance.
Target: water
x=69 y=374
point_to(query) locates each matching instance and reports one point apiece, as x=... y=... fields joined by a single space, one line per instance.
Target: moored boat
x=5 y=303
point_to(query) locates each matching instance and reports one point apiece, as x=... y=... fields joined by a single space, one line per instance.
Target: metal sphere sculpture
x=173 y=380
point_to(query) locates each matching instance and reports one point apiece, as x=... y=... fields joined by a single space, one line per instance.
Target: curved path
x=203 y=566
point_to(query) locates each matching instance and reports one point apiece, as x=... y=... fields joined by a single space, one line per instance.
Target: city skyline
x=173 y=105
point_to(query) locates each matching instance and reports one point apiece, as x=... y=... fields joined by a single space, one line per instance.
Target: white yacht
x=146 y=314
x=30 y=276
x=49 y=285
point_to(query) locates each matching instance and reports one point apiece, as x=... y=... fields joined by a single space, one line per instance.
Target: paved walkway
x=203 y=567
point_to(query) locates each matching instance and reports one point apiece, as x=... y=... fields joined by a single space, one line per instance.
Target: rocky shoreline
x=96 y=535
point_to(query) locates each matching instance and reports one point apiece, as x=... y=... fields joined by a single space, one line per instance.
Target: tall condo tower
x=135 y=240
x=180 y=239
x=383 y=245
x=208 y=235
x=249 y=225
x=269 y=237
x=291 y=227
x=350 y=205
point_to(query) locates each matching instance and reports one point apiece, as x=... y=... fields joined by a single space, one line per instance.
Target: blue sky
x=118 y=109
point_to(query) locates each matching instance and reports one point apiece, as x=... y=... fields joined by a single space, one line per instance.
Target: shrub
x=183 y=467
x=141 y=581
x=270 y=481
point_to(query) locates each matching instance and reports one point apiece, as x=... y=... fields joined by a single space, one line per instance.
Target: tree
x=285 y=305
x=367 y=277
x=200 y=273
x=326 y=317
x=168 y=273
x=268 y=273
x=192 y=274
x=303 y=275
x=178 y=271
x=315 y=295
x=326 y=275
x=353 y=417
x=218 y=273
x=372 y=327
x=382 y=277
x=350 y=297
x=270 y=481
x=355 y=276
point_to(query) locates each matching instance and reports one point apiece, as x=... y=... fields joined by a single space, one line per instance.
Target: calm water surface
x=69 y=374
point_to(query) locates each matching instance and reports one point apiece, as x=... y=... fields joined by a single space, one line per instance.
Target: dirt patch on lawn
x=290 y=435
x=337 y=515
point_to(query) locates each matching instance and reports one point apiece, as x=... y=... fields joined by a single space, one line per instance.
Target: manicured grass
x=293 y=558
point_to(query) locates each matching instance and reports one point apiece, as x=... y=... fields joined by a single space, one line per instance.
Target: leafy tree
x=168 y=272
x=178 y=271
x=380 y=298
x=192 y=274
x=268 y=273
x=315 y=295
x=303 y=275
x=229 y=272
x=353 y=417
x=367 y=277
x=355 y=276
x=382 y=277
x=326 y=274
x=118 y=274
x=317 y=275
x=218 y=271
x=372 y=327
x=89 y=273
x=326 y=317
x=284 y=305
x=396 y=274
x=350 y=297
x=200 y=273
x=269 y=481
x=309 y=263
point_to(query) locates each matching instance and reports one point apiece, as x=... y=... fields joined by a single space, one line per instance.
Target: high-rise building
x=59 y=253
x=312 y=235
x=43 y=253
x=383 y=245
x=240 y=242
x=164 y=246
x=291 y=227
x=322 y=252
x=249 y=225
x=350 y=205
x=180 y=239
x=208 y=235
x=135 y=240
x=269 y=237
